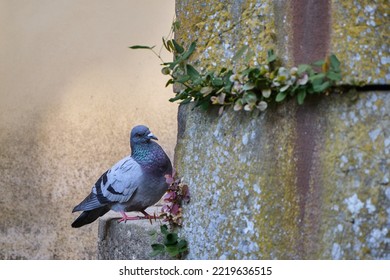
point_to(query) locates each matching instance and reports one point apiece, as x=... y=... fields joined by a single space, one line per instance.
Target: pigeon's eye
x=138 y=134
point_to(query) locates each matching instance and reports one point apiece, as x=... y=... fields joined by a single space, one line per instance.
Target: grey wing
x=120 y=182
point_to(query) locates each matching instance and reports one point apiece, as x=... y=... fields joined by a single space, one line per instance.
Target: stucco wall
x=70 y=91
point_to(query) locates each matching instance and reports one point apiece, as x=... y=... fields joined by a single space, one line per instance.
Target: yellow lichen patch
x=353 y=172
x=278 y=220
x=221 y=30
x=360 y=38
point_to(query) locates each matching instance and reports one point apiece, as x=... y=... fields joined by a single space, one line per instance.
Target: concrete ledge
x=126 y=241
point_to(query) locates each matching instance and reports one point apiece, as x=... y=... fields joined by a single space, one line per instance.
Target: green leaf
x=192 y=72
x=190 y=50
x=182 y=244
x=170 y=81
x=166 y=71
x=164 y=229
x=249 y=97
x=204 y=104
x=171 y=47
x=165 y=44
x=246 y=72
x=248 y=86
x=187 y=100
x=281 y=96
x=238 y=105
x=334 y=63
x=284 y=88
x=176 y=25
x=271 y=56
x=180 y=96
x=302 y=68
x=182 y=79
x=228 y=87
x=172 y=250
x=183 y=248
x=170 y=239
x=321 y=87
x=319 y=62
x=262 y=83
x=217 y=82
x=157 y=247
x=135 y=47
x=172 y=65
x=206 y=90
x=227 y=74
x=333 y=76
x=240 y=52
x=178 y=48
x=266 y=92
x=301 y=96
x=317 y=78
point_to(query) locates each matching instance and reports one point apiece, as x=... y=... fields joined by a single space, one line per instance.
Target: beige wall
x=70 y=91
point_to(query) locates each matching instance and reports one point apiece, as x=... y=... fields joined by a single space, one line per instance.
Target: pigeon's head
x=140 y=135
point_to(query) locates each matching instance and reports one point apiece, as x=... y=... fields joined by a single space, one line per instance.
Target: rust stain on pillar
x=310 y=42
x=311 y=30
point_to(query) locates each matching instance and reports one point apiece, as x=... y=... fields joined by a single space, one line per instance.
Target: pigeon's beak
x=151 y=136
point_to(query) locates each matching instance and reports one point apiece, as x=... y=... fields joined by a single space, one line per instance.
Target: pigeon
x=132 y=184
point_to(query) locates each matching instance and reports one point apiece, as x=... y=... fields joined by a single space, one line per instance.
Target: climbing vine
x=253 y=87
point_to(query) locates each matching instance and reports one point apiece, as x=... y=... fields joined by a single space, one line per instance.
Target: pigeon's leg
x=127 y=218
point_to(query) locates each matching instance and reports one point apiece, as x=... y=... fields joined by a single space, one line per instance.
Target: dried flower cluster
x=177 y=194
x=168 y=240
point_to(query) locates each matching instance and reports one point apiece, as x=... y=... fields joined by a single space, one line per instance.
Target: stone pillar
x=293 y=182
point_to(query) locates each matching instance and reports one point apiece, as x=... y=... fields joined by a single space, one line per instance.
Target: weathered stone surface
x=295 y=182
x=309 y=182
x=126 y=241
x=299 y=31
x=360 y=38
x=222 y=28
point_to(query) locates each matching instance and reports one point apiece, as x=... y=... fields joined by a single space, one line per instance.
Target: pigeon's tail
x=92 y=208
x=88 y=217
x=89 y=203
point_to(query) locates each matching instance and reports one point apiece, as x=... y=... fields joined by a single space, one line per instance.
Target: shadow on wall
x=70 y=92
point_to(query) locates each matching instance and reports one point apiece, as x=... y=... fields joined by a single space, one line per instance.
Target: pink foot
x=128 y=218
